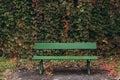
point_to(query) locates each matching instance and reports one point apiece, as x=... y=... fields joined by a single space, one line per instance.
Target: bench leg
x=41 y=67
x=88 y=66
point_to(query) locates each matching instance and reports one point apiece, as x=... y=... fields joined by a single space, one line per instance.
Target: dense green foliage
x=16 y=27
x=24 y=22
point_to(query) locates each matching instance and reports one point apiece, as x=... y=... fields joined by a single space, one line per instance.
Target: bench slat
x=64 y=57
x=80 y=45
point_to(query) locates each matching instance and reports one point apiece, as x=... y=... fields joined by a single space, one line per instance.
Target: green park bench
x=80 y=45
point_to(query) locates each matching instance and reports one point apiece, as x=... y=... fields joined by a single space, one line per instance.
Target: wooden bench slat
x=65 y=57
x=82 y=45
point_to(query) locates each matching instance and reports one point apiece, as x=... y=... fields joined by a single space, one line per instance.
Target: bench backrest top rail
x=77 y=45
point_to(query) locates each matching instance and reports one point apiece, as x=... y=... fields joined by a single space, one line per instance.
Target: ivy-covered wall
x=23 y=22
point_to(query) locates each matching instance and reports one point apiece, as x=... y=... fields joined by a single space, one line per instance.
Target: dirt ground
x=60 y=74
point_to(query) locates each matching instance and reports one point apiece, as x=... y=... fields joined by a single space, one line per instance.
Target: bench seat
x=65 y=57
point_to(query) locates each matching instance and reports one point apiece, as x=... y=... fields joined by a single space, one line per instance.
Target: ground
x=61 y=70
x=59 y=74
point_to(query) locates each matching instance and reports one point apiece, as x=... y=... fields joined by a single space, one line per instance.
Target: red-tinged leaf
x=112 y=73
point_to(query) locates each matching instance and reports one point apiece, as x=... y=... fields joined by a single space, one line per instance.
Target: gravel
x=63 y=74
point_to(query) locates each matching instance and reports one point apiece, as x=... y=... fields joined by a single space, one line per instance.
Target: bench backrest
x=80 y=45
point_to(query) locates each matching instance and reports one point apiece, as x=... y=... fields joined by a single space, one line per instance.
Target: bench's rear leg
x=41 y=67
x=88 y=66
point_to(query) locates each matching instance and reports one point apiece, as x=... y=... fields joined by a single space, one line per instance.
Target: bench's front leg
x=41 y=67
x=88 y=66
